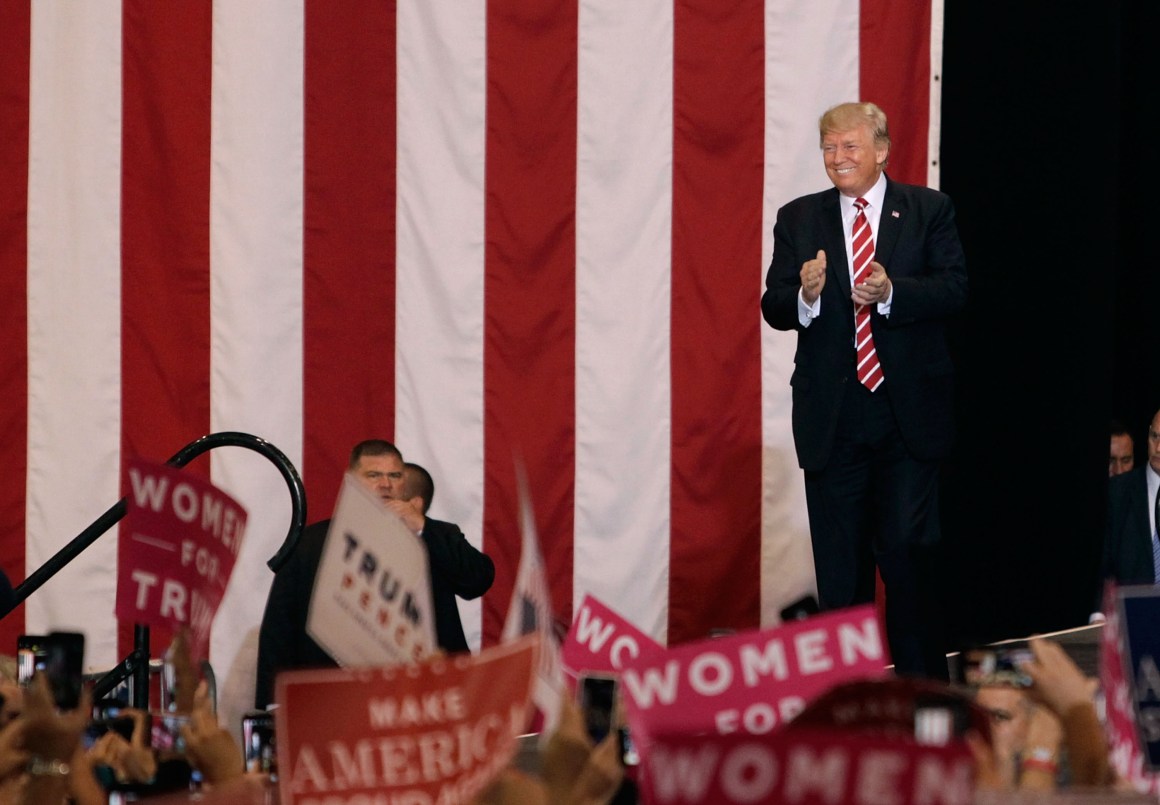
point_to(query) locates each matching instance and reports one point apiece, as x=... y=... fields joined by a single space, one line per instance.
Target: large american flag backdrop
x=530 y=230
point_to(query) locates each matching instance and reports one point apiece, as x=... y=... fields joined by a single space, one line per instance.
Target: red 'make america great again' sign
x=435 y=732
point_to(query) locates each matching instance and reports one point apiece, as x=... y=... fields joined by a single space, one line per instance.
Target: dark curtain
x=1051 y=168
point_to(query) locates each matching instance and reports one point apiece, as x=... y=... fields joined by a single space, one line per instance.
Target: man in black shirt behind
x=457 y=568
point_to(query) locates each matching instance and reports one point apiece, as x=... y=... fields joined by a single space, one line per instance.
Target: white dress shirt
x=875 y=197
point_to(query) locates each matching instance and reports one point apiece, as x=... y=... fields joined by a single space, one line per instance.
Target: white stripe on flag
x=623 y=256
x=74 y=317
x=256 y=201
x=934 y=128
x=811 y=54
x=442 y=90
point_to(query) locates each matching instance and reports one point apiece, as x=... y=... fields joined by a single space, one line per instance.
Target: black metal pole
x=107 y=520
x=141 y=670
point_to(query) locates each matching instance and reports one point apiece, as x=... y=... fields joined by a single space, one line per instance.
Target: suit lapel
x=1144 y=511
x=835 y=245
x=894 y=210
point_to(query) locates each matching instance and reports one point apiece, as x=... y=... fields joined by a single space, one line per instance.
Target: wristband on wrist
x=1042 y=759
x=47 y=767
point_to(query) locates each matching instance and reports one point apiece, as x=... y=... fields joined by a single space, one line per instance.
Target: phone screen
x=996 y=666
x=165 y=734
x=30 y=655
x=597 y=699
x=65 y=664
x=98 y=727
x=258 y=742
x=58 y=655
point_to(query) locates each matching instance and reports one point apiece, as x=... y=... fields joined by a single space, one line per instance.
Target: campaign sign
x=1141 y=616
x=602 y=640
x=530 y=612
x=436 y=732
x=807 y=767
x=1125 y=749
x=750 y=682
x=371 y=603
x=177 y=550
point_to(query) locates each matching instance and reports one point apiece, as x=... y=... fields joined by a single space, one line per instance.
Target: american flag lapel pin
x=894 y=213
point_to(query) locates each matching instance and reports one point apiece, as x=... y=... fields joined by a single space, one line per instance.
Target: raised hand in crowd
x=132 y=760
x=13 y=758
x=575 y=770
x=572 y=770
x=1034 y=727
x=210 y=748
x=50 y=738
x=11 y=701
x=1039 y=759
x=1060 y=685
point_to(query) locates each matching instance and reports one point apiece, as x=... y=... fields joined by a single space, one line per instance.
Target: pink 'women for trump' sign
x=177 y=551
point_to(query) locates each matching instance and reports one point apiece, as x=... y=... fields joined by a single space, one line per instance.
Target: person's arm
x=284 y=619
x=132 y=760
x=1039 y=759
x=13 y=757
x=274 y=637
x=211 y=749
x=786 y=300
x=574 y=771
x=468 y=571
x=51 y=739
x=83 y=786
x=1062 y=687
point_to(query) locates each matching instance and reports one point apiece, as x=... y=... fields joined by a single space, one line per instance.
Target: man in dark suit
x=867 y=274
x=457 y=568
x=1130 y=536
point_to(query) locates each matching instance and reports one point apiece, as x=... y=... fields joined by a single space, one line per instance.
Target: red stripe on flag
x=718 y=153
x=894 y=66
x=15 y=22
x=349 y=238
x=165 y=341
x=530 y=290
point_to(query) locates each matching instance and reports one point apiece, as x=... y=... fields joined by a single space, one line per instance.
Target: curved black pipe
x=289 y=474
x=114 y=514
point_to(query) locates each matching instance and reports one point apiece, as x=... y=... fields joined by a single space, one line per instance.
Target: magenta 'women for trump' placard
x=177 y=549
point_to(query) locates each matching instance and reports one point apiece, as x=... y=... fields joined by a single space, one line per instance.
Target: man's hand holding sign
x=371 y=603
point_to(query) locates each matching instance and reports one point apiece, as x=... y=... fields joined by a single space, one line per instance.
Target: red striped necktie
x=869 y=370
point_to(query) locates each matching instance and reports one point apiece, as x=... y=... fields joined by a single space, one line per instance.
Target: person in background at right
x=1121 y=450
x=1131 y=548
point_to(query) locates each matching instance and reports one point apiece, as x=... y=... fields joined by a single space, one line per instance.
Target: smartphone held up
x=598 y=697
x=58 y=655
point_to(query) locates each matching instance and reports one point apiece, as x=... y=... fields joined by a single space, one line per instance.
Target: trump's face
x=853 y=161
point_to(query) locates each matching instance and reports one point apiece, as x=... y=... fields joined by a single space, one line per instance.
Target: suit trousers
x=875 y=505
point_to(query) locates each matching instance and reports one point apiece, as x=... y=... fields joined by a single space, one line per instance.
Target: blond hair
x=849 y=116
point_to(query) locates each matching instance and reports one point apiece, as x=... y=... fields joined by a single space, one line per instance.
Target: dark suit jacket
x=1128 y=533
x=457 y=569
x=919 y=245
